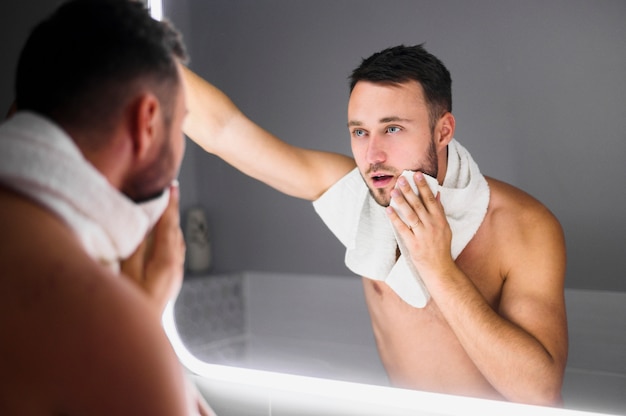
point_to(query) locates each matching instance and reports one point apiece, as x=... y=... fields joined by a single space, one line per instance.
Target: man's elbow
x=545 y=392
x=548 y=397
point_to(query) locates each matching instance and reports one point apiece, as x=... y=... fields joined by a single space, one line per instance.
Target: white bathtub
x=318 y=326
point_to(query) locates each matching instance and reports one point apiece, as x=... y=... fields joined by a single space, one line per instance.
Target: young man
x=466 y=293
x=86 y=166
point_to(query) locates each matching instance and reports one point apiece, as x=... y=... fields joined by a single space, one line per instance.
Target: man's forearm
x=218 y=126
x=515 y=362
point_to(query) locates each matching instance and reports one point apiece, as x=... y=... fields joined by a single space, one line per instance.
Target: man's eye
x=358 y=132
x=393 y=129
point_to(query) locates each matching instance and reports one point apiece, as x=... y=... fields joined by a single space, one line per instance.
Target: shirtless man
x=98 y=132
x=495 y=324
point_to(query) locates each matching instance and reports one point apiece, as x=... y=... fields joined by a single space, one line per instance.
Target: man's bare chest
x=393 y=319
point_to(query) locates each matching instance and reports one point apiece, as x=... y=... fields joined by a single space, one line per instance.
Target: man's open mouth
x=381 y=181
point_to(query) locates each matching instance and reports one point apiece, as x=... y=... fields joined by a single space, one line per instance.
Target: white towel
x=38 y=159
x=370 y=240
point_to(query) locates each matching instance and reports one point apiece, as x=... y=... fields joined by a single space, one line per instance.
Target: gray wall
x=539 y=91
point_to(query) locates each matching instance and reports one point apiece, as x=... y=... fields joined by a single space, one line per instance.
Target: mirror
x=538 y=91
x=538 y=94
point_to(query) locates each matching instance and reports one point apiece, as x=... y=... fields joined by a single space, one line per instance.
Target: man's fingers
x=169 y=244
x=426 y=196
x=164 y=265
x=133 y=266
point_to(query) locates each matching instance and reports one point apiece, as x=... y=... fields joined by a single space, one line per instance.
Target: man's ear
x=444 y=130
x=145 y=121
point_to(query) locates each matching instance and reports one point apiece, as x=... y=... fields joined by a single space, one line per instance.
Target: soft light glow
x=393 y=398
x=156 y=9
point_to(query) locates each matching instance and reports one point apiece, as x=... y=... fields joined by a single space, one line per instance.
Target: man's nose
x=375 y=150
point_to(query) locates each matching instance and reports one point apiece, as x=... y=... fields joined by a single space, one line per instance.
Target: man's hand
x=428 y=237
x=157 y=264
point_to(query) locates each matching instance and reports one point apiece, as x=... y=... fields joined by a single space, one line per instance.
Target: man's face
x=174 y=139
x=390 y=132
x=163 y=169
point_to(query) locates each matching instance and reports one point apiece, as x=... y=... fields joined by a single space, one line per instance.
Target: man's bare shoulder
x=515 y=210
x=528 y=235
x=77 y=332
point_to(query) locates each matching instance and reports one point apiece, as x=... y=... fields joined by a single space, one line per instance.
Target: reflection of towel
x=363 y=227
x=40 y=160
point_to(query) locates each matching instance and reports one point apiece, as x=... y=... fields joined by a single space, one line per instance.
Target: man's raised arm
x=220 y=128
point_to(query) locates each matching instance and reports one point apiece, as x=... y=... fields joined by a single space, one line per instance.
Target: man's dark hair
x=401 y=64
x=81 y=65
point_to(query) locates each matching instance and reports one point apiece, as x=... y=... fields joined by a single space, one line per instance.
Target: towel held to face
x=39 y=160
x=362 y=226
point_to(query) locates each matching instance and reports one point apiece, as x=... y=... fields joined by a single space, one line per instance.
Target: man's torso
x=416 y=345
